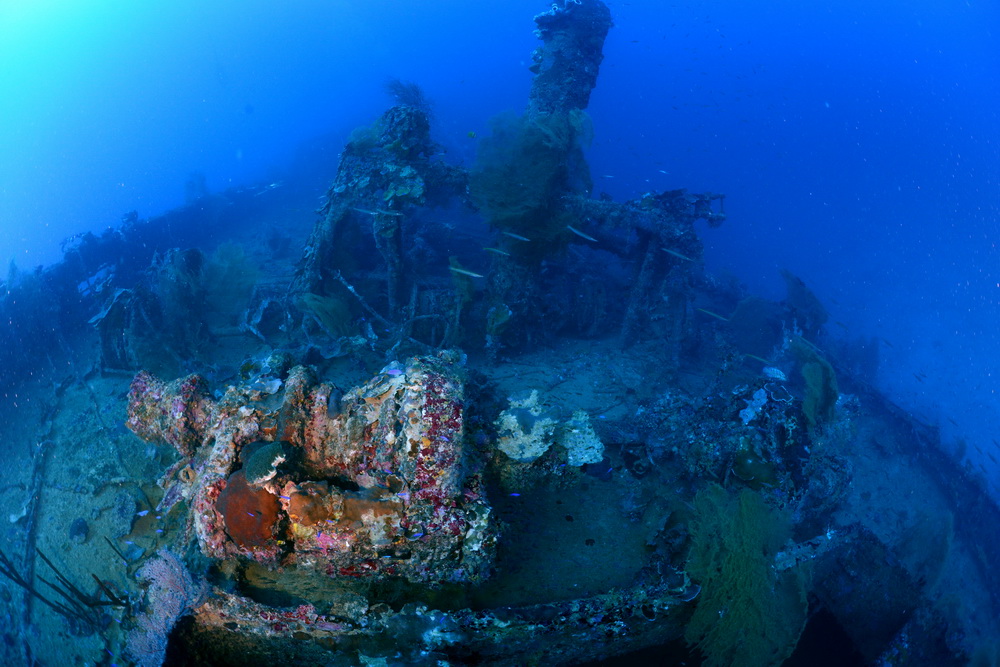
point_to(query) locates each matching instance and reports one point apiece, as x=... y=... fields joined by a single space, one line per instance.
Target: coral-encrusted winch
x=374 y=484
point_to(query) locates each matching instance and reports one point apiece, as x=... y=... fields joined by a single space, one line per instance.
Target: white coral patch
x=580 y=440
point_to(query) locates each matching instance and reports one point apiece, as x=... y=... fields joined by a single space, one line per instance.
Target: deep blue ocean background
x=857 y=142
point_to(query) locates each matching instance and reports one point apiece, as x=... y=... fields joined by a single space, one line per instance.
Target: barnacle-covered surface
x=552 y=438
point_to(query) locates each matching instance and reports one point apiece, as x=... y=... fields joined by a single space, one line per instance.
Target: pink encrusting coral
x=173 y=411
x=171 y=592
x=416 y=510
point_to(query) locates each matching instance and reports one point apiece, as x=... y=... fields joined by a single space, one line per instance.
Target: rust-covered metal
x=377 y=484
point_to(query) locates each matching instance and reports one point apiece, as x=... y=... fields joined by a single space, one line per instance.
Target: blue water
x=857 y=144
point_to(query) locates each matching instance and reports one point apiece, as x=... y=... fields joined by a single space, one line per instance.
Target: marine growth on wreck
x=552 y=439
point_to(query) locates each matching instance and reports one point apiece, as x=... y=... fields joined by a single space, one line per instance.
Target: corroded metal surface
x=377 y=486
x=566 y=632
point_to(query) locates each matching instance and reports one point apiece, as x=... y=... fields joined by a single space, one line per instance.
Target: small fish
x=581 y=234
x=517 y=237
x=886 y=342
x=129 y=542
x=515 y=495
x=497 y=251
x=471 y=134
x=159 y=530
x=606 y=176
x=284 y=497
x=663 y=171
x=142 y=513
x=677 y=254
x=378 y=211
x=715 y=315
x=253 y=514
x=266 y=188
x=760 y=359
x=463 y=272
x=394 y=372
